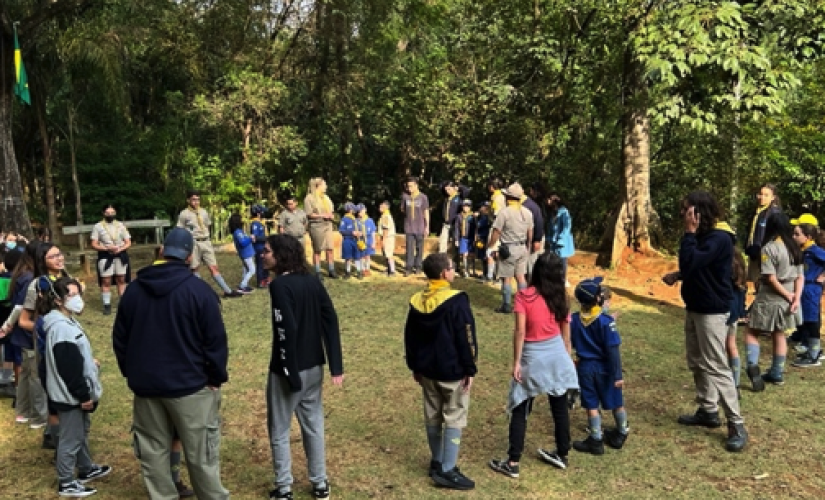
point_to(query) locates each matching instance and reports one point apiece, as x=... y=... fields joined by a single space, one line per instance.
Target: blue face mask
x=11 y=245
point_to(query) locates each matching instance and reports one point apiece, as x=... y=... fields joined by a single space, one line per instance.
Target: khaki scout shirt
x=317 y=205
x=293 y=223
x=196 y=222
x=110 y=234
x=513 y=222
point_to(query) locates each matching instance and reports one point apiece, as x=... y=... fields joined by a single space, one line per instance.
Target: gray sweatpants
x=31 y=398
x=197 y=419
x=73 y=445
x=309 y=408
x=707 y=358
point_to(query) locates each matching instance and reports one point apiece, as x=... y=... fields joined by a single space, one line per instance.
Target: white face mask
x=74 y=305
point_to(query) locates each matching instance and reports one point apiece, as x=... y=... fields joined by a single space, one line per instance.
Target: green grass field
x=376 y=446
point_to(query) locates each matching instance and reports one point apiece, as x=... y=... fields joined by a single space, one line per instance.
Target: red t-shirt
x=541 y=322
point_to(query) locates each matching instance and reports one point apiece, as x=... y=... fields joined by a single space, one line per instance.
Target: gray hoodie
x=72 y=377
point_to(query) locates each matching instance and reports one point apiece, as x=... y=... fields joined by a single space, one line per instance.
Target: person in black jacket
x=171 y=346
x=305 y=326
x=769 y=206
x=706 y=268
x=441 y=350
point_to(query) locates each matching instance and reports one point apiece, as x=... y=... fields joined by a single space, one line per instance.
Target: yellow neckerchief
x=197 y=216
x=591 y=315
x=437 y=292
x=447 y=204
x=464 y=218
x=755 y=219
x=106 y=228
x=515 y=203
x=159 y=262
x=323 y=201
x=413 y=196
x=808 y=244
x=494 y=201
x=724 y=226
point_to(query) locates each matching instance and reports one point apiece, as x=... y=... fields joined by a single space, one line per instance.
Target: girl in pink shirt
x=541 y=363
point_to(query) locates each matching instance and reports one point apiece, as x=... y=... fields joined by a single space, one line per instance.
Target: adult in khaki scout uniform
x=111 y=239
x=513 y=229
x=196 y=220
x=319 y=208
x=293 y=221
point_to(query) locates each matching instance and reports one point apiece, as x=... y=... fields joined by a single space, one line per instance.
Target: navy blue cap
x=257 y=209
x=589 y=291
x=178 y=244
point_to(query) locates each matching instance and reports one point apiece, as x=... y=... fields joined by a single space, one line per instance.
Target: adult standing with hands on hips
x=319 y=210
x=111 y=239
x=196 y=220
x=169 y=314
x=705 y=268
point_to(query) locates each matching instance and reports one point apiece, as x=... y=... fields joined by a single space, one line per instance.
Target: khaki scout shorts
x=320 y=233
x=116 y=268
x=203 y=252
x=445 y=403
x=516 y=265
x=388 y=247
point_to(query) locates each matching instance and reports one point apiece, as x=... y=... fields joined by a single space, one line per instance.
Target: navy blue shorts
x=597 y=390
x=12 y=354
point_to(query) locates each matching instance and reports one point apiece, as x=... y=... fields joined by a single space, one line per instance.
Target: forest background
x=622 y=106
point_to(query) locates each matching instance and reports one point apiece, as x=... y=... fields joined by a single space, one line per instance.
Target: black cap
x=178 y=244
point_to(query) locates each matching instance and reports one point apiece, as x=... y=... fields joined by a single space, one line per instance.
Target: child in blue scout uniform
x=596 y=341
x=245 y=249
x=349 y=241
x=464 y=229
x=258 y=233
x=483 y=225
x=369 y=238
x=806 y=233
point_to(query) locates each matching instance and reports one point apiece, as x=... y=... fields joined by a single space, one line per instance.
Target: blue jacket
x=470 y=230
x=169 y=338
x=243 y=244
x=814 y=258
x=559 y=236
x=483 y=226
x=597 y=342
x=347 y=226
x=370 y=229
x=20 y=337
x=258 y=235
x=706 y=266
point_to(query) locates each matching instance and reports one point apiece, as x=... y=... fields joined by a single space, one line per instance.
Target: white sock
x=107 y=298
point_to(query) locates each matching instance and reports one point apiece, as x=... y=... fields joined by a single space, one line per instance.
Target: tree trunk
x=13 y=213
x=75 y=180
x=47 y=171
x=735 y=155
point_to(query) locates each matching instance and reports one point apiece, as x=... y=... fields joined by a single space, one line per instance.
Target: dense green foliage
x=246 y=99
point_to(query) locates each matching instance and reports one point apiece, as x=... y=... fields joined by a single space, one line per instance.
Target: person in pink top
x=542 y=363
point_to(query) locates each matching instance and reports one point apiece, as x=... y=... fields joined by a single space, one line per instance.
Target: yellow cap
x=805 y=219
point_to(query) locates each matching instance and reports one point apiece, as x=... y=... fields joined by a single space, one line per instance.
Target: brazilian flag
x=21 y=80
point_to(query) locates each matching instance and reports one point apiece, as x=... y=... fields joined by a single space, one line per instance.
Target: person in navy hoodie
x=246 y=251
x=169 y=314
x=706 y=269
x=258 y=231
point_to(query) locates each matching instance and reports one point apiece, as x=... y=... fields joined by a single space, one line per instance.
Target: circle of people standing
x=168 y=311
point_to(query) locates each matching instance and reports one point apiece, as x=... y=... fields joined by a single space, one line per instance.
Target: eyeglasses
x=55 y=256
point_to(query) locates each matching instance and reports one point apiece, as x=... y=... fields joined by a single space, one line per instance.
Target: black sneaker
x=504 y=309
x=280 y=495
x=183 y=490
x=807 y=360
x=434 y=467
x=701 y=418
x=454 y=480
x=773 y=379
x=320 y=490
x=756 y=378
x=232 y=294
x=75 y=490
x=107 y=309
x=590 y=445
x=333 y=275
x=614 y=438
x=360 y=275
x=553 y=458
x=96 y=472
x=504 y=467
x=737 y=437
